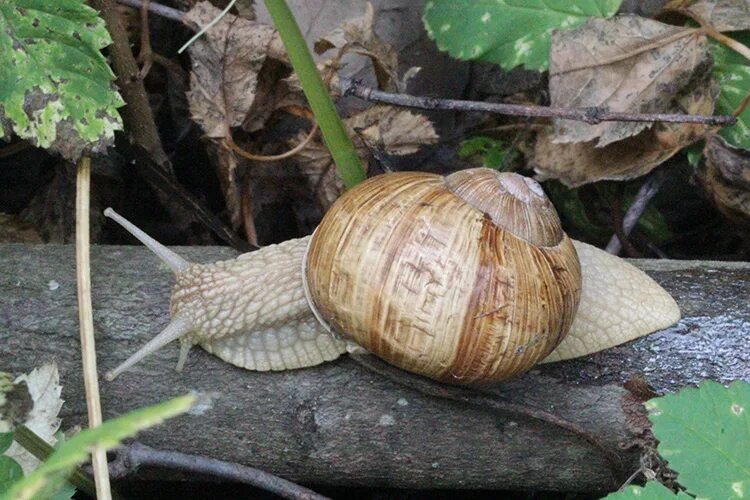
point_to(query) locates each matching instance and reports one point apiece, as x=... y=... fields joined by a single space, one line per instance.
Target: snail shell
x=466 y=278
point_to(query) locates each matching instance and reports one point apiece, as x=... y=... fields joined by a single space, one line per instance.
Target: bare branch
x=587 y=115
x=156 y=8
x=647 y=191
x=131 y=457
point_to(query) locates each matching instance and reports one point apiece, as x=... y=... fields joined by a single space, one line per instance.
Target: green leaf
x=493 y=152
x=6 y=439
x=654 y=225
x=732 y=72
x=65 y=492
x=507 y=32
x=704 y=434
x=51 y=475
x=55 y=85
x=694 y=153
x=570 y=206
x=10 y=472
x=652 y=491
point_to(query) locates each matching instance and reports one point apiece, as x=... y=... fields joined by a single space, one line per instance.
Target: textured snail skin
x=252 y=312
x=619 y=303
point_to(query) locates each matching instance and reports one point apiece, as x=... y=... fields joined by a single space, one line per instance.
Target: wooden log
x=340 y=424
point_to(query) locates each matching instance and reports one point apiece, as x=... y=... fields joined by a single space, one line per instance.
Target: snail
x=467 y=278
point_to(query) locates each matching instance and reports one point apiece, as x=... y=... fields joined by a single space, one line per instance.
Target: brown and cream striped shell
x=465 y=279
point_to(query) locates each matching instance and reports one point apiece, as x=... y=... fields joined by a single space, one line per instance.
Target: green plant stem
x=334 y=134
x=42 y=450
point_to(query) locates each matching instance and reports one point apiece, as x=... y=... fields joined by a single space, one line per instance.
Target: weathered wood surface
x=341 y=424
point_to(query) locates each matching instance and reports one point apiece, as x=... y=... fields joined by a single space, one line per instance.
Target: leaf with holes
x=56 y=88
x=704 y=434
x=507 y=32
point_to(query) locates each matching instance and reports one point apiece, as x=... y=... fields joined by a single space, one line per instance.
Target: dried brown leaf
x=626 y=64
x=581 y=163
x=636 y=416
x=359 y=36
x=725 y=178
x=724 y=15
x=400 y=132
x=44 y=387
x=224 y=83
x=225 y=62
x=246 y=9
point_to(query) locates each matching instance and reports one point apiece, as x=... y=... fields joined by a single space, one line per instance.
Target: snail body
x=466 y=279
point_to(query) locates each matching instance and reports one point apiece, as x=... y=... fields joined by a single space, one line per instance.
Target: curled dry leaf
x=725 y=178
x=44 y=387
x=225 y=66
x=581 y=163
x=358 y=35
x=723 y=15
x=226 y=62
x=626 y=64
x=400 y=132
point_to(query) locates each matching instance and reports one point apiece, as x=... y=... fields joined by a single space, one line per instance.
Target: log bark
x=340 y=424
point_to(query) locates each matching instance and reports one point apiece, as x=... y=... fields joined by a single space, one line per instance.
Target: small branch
x=86 y=323
x=617 y=223
x=156 y=8
x=587 y=115
x=647 y=191
x=709 y=30
x=131 y=457
x=229 y=142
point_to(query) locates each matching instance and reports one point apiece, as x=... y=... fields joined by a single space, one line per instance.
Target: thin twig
x=157 y=8
x=264 y=158
x=709 y=30
x=207 y=27
x=647 y=191
x=485 y=399
x=627 y=55
x=246 y=209
x=587 y=115
x=733 y=44
x=86 y=323
x=617 y=224
x=131 y=457
x=145 y=57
